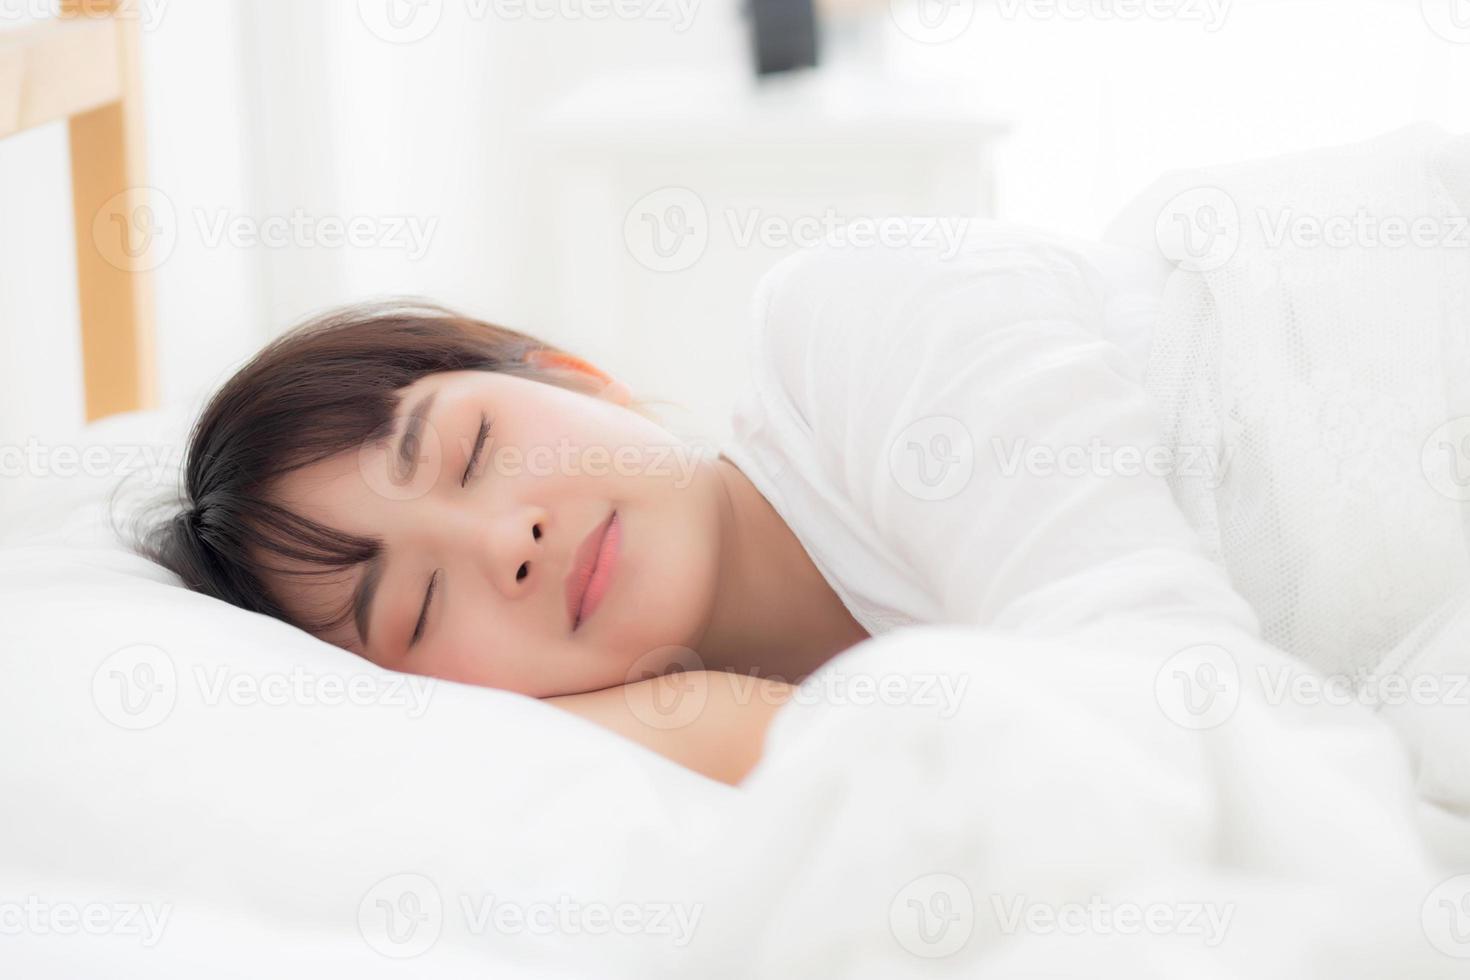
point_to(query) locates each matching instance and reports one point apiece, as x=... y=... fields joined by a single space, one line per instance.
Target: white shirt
x=963 y=439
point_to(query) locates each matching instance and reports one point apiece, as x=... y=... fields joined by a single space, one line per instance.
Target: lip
x=584 y=563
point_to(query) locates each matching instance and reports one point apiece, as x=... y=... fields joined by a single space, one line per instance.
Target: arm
x=709 y=721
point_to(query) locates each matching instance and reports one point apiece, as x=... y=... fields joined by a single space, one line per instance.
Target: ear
x=555 y=360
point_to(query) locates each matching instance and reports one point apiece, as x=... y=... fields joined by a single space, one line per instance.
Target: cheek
x=671 y=565
x=506 y=658
x=607 y=427
x=477 y=653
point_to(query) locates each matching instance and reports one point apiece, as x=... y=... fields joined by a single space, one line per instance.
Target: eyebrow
x=366 y=589
x=363 y=594
x=417 y=416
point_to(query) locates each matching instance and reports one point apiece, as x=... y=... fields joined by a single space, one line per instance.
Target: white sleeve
x=970 y=410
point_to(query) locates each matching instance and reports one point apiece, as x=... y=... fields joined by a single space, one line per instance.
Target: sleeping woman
x=923 y=439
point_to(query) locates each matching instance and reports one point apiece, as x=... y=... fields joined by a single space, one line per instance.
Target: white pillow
x=168 y=750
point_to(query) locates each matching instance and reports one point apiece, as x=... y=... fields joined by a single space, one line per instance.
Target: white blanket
x=1069 y=815
x=1317 y=339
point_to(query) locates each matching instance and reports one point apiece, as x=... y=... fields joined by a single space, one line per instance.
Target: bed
x=191 y=789
x=152 y=773
x=83 y=68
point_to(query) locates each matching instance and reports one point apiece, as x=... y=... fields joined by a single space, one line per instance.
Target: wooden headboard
x=83 y=67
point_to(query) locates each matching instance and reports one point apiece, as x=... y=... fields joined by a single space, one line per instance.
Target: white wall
x=435 y=131
x=1102 y=106
x=261 y=108
x=40 y=346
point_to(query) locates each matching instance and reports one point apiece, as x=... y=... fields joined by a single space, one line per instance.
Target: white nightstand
x=664 y=198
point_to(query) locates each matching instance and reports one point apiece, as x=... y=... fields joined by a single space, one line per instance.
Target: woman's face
x=492 y=542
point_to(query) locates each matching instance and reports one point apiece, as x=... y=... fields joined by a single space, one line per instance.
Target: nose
x=505 y=549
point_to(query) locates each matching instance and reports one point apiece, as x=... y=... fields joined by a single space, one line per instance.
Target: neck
x=774 y=614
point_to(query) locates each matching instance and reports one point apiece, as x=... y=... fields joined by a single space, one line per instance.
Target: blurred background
x=615 y=175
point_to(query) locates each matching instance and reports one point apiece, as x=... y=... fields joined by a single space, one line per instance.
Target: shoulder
x=833 y=320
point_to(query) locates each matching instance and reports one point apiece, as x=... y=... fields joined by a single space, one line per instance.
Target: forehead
x=350 y=491
x=333 y=493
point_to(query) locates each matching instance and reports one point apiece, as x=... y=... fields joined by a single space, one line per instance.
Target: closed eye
x=418 y=629
x=479 y=447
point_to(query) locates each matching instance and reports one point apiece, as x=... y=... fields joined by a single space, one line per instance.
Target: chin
x=658 y=613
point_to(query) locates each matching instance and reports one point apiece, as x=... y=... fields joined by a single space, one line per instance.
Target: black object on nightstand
x=783 y=34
